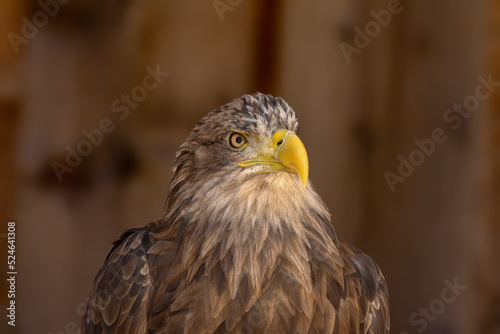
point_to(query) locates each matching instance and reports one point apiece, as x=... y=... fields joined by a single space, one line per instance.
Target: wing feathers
x=119 y=298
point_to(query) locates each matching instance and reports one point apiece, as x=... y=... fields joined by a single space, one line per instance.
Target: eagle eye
x=237 y=140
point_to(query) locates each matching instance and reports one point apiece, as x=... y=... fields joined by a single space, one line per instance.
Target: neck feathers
x=238 y=243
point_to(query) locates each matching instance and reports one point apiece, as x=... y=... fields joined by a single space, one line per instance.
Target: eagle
x=245 y=245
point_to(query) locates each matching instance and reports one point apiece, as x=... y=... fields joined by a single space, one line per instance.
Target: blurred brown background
x=64 y=65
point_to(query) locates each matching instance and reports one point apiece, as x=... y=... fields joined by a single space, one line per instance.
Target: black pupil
x=239 y=139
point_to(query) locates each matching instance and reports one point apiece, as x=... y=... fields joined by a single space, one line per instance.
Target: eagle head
x=251 y=135
x=244 y=157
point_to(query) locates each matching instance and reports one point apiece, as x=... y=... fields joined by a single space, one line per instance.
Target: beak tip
x=303 y=174
x=303 y=180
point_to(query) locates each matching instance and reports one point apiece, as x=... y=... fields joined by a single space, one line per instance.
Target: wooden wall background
x=442 y=223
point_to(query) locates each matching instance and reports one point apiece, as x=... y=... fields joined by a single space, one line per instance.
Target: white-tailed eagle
x=245 y=246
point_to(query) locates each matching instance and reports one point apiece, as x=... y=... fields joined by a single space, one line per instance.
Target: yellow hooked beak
x=287 y=154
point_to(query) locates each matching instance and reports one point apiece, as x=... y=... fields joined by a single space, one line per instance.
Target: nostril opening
x=279 y=143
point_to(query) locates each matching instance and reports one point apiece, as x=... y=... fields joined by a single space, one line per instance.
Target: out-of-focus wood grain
x=487 y=274
x=10 y=21
x=424 y=232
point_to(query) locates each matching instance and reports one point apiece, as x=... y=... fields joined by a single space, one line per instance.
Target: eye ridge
x=237 y=140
